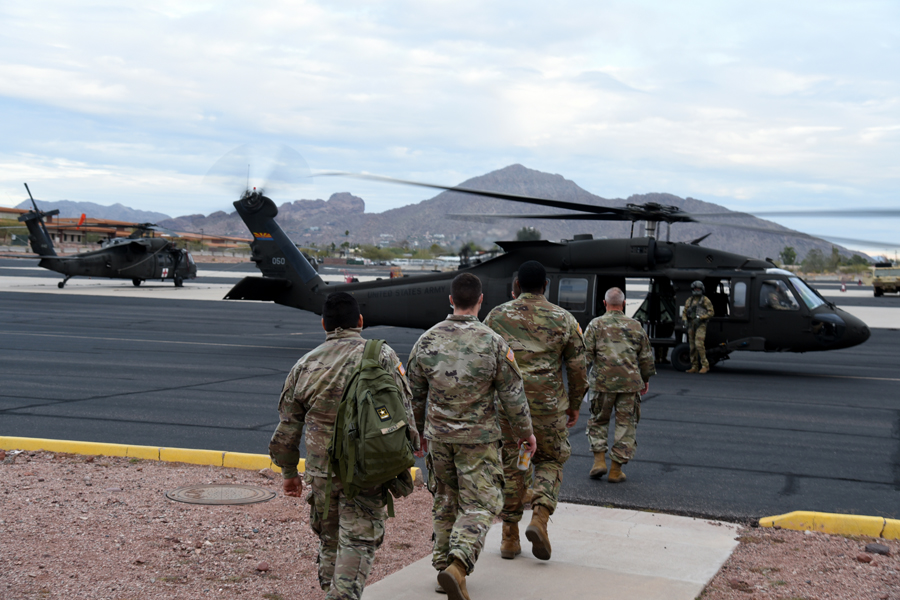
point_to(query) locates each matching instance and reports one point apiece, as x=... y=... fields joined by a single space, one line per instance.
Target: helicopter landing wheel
x=137 y=281
x=179 y=281
x=61 y=284
x=681 y=357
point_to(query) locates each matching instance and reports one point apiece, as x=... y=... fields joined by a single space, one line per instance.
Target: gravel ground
x=100 y=527
x=803 y=565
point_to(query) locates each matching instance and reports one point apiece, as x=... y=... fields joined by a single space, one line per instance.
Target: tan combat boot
x=704 y=370
x=453 y=580
x=615 y=473
x=536 y=532
x=692 y=370
x=599 y=468
x=509 y=545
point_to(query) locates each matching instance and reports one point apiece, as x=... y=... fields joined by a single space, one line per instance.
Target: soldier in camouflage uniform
x=354 y=528
x=622 y=361
x=697 y=311
x=456 y=369
x=543 y=336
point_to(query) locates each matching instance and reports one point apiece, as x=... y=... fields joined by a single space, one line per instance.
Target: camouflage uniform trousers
x=697 y=340
x=348 y=538
x=553 y=450
x=627 y=406
x=468 y=495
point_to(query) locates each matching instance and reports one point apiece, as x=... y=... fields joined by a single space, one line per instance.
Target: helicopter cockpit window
x=809 y=297
x=776 y=295
x=573 y=294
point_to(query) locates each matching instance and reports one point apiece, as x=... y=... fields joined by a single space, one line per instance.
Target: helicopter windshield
x=810 y=298
x=774 y=294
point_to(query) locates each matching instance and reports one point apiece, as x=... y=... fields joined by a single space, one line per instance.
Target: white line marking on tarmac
x=850 y=377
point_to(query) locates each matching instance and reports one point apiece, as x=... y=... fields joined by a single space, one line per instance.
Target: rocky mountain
x=324 y=222
x=116 y=212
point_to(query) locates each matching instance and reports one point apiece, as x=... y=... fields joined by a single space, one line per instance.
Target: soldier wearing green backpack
x=350 y=524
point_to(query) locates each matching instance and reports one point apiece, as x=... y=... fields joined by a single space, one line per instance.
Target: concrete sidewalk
x=597 y=553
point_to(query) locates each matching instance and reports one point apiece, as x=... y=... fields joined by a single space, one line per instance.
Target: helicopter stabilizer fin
x=261 y=289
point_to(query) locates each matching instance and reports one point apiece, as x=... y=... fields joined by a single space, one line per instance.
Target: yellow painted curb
x=145 y=452
x=835 y=523
x=891 y=529
x=241 y=460
x=216 y=458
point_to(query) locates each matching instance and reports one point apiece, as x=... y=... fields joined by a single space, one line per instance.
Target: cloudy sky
x=753 y=105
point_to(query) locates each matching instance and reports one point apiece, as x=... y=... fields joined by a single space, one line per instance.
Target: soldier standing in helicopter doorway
x=697 y=311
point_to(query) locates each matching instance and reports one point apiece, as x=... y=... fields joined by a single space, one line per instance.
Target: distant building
x=68 y=231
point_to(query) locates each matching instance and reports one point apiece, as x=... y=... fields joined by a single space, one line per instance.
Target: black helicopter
x=136 y=257
x=758 y=306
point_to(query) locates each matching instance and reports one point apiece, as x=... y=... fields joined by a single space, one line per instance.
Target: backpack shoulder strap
x=373 y=349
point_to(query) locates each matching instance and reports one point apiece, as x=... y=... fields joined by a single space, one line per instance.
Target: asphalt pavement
x=762 y=434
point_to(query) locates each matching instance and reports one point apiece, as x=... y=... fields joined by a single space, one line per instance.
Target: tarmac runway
x=762 y=434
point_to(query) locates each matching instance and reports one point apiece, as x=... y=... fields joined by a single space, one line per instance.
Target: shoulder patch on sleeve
x=511 y=356
x=401 y=369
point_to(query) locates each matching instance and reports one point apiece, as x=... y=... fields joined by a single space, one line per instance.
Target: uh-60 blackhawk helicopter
x=136 y=257
x=758 y=307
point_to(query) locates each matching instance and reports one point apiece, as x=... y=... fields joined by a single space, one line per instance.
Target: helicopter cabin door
x=576 y=293
x=779 y=313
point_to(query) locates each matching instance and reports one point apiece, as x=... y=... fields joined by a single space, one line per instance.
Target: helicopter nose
x=855 y=331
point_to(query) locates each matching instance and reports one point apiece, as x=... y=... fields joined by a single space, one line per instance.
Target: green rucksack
x=370 y=445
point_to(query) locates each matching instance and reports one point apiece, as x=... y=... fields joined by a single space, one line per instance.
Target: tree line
x=816 y=261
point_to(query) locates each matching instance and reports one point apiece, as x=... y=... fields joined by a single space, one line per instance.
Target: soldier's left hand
x=646 y=389
x=571 y=417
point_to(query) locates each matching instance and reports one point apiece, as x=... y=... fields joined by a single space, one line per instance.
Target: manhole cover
x=220 y=494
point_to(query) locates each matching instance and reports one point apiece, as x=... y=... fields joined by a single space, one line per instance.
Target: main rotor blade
x=556 y=217
x=839 y=213
x=800 y=234
x=487 y=194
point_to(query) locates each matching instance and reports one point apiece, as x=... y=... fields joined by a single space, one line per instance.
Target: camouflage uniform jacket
x=620 y=352
x=543 y=335
x=457 y=366
x=311 y=394
x=699 y=304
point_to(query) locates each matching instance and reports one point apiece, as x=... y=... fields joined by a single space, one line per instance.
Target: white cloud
x=732 y=102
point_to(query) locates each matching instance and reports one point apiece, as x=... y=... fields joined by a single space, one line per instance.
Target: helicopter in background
x=137 y=257
x=579 y=272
